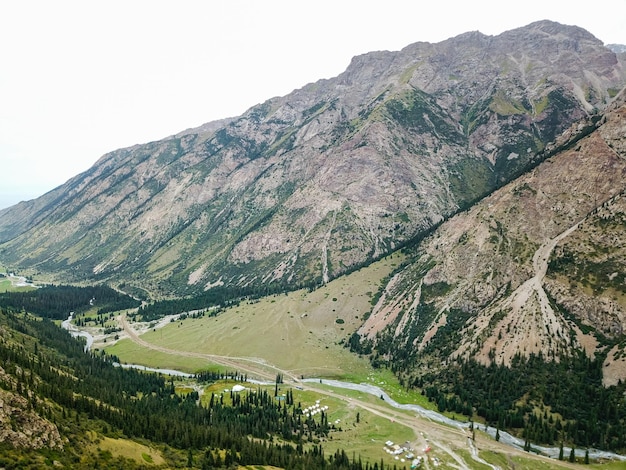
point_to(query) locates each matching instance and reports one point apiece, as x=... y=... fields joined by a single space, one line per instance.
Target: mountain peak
x=306 y=187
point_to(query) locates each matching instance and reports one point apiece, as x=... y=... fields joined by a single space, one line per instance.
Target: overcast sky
x=81 y=78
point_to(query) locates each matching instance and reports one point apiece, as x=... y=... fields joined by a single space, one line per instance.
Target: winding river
x=505 y=437
x=74 y=331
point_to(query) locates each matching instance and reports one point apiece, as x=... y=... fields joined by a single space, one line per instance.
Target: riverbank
x=504 y=437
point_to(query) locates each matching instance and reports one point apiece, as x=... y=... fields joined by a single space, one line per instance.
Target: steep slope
x=536 y=268
x=303 y=188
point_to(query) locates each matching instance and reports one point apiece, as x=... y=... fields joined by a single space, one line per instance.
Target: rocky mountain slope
x=303 y=188
x=535 y=268
x=20 y=426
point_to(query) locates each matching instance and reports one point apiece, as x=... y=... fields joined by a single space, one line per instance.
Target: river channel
x=505 y=437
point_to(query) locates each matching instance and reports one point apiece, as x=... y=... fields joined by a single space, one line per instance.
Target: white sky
x=82 y=78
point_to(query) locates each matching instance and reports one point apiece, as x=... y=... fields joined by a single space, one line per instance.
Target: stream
x=75 y=332
x=505 y=437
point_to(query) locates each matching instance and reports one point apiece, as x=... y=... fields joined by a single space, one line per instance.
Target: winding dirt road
x=252 y=366
x=441 y=438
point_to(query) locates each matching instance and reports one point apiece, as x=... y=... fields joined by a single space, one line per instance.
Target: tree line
x=544 y=402
x=56 y=302
x=71 y=388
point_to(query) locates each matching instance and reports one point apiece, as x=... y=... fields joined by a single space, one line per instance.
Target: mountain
x=515 y=309
x=303 y=188
x=534 y=269
x=617 y=48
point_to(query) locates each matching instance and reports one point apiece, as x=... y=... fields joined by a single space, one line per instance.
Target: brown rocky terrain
x=536 y=267
x=303 y=188
x=20 y=425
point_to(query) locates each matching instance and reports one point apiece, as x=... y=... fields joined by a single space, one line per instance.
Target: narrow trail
x=437 y=432
x=534 y=285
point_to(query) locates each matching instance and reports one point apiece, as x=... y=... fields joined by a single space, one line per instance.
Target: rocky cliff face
x=303 y=188
x=535 y=268
x=20 y=425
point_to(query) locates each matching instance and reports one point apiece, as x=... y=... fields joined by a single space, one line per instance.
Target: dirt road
x=255 y=367
x=441 y=438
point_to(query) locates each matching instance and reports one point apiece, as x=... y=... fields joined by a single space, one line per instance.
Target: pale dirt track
x=442 y=439
x=540 y=267
x=243 y=364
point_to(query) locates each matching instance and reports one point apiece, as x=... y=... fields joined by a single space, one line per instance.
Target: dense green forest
x=56 y=302
x=81 y=392
x=547 y=401
x=216 y=297
x=543 y=401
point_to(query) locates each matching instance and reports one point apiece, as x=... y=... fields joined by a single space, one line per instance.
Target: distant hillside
x=617 y=48
x=303 y=188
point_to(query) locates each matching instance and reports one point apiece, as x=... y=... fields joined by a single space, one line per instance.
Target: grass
x=130 y=352
x=131 y=450
x=6 y=285
x=608 y=466
x=506 y=105
x=521 y=462
x=366 y=438
x=297 y=332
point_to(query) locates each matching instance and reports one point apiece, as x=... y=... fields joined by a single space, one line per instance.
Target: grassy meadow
x=139 y=453
x=7 y=285
x=301 y=332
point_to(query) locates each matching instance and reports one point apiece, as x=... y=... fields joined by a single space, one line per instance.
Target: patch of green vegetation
x=366 y=435
x=171 y=150
x=403 y=217
x=408 y=73
x=314 y=110
x=260 y=111
x=505 y=105
x=470 y=179
x=129 y=352
x=599 y=271
x=127 y=449
x=541 y=104
x=507 y=460
x=524 y=190
x=448 y=335
x=6 y=285
x=475 y=115
x=434 y=290
x=418 y=111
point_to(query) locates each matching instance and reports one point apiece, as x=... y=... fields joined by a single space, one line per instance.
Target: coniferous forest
x=84 y=392
x=55 y=302
x=545 y=402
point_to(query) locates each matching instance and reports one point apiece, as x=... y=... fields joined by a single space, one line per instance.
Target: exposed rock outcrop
x=303 y=188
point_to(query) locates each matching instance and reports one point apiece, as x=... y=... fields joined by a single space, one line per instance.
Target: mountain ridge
x=534 y=268
x=303 y=188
